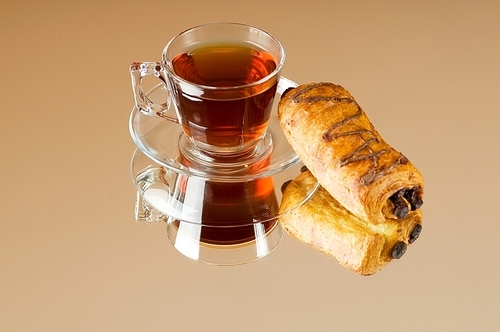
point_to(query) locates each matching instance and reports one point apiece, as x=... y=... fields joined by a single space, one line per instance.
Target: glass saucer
x=211 y=221
x=159 y=140
x=221 y=213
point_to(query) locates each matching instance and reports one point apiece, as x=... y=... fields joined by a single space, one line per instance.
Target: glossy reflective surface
x=72 y=257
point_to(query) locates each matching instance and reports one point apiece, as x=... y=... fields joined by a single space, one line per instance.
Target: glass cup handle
x=139 y=70
x=145 y=212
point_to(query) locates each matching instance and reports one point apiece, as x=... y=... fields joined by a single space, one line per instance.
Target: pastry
x=332 y=135
x=326 y=225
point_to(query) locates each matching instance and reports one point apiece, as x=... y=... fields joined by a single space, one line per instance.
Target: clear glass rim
x=167 y=63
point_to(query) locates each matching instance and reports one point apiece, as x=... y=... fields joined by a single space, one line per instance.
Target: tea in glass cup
x=222 y=79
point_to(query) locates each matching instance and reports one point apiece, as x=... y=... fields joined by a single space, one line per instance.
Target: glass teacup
x=222 y=79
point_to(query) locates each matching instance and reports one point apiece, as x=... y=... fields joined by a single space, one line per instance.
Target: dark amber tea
x=230 y=212
x=232 y=115
x=225 y=205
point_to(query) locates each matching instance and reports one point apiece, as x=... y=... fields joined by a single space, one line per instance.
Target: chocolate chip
x=400 y=204
x=414 y=197
x=284 y=185
x=415 y=233
x=303 y=169
x=401 y=208
x=398 y=250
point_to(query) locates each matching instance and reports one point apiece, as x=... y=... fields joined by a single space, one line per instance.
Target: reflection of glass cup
x=232 y=212
x=210 y=220
x=222 y=79
x=223 y=223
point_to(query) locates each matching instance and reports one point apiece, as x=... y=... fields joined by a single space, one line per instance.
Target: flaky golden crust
x=326 y=225
x=335 y=139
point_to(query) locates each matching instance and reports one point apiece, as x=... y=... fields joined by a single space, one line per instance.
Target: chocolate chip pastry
x=373 y=185
x=326 y=225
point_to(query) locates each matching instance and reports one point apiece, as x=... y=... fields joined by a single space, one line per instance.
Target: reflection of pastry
x=326 y=225
x=335 y=139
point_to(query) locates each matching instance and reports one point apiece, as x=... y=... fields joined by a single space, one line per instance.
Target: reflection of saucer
x=159 y=138
x=237 y=227
x=182 y=196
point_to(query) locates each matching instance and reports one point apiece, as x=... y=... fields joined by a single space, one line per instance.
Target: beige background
x=72 y=257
